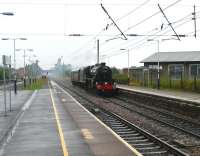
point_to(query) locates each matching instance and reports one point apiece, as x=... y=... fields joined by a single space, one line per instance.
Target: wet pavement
x=36 y=133
x=54 y=125
x=17 y=101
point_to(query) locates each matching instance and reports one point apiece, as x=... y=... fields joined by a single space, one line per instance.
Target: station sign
x=6 y=60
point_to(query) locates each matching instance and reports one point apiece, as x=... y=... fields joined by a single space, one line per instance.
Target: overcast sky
x=48 y=24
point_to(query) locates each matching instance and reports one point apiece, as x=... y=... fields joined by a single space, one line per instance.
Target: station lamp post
x=15 y=74
x=158 y=61
x=24 y=50
x=128 y=64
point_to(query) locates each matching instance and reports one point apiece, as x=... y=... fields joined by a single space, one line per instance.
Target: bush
x=121 y=78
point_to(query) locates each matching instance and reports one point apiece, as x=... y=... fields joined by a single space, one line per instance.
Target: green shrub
x=121 y=78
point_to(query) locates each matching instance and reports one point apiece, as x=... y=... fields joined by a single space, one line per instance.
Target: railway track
x=144 y=142
x=165 y=118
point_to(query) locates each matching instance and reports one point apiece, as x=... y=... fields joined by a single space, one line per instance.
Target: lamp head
x=5 y=39
x=122 y=49
x=8 y=13
x=150 y=40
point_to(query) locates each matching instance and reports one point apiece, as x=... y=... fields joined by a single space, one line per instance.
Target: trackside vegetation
x=36 y=84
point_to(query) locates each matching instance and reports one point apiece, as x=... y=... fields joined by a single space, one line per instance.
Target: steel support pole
x=4 y=88
x=98 y=51
x=128 y=69
x=158 y=76
x=10 y=84
x=24 y=68
x=15 y=77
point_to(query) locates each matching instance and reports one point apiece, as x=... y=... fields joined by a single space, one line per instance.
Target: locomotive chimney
x=103 y=64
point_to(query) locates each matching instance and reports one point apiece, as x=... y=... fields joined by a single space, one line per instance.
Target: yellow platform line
x=62 y=140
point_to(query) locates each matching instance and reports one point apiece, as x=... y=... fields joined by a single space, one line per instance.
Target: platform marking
x=108 y=128
x=63 y=100
x=62 y=140
x=87 y=134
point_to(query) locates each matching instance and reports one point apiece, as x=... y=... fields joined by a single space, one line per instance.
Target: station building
x=176 y=65
x=177 y=70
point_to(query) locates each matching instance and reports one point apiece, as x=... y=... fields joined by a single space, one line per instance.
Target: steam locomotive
x=98 y=77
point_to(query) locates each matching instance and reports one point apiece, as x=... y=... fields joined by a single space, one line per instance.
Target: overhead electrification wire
x=192 y=32
x=142 y=21
x=154 y=34
x=147 y=34
x=184 y=20
x=79 y=50
x=64 y=3
x=137 y=45
x=188 y=16
x=181 y=24
x=131 y=12
x=129 y=41
x=149 y=17
x=140 y=5
x=145 y=41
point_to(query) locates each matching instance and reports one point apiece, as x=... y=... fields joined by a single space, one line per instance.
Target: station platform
x=55 y=124
x=180 y=95
x=8 y=119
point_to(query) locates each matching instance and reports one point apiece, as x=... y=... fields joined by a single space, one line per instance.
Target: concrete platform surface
x=182 y=95
x=55 y=124
x=36 y=133
x=100 y=139
x=8 y=121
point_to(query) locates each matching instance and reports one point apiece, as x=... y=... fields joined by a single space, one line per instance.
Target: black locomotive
x=98 y=77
